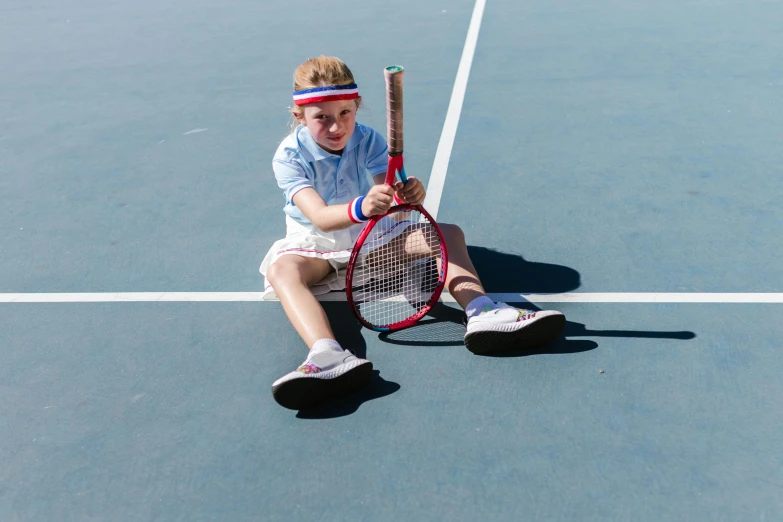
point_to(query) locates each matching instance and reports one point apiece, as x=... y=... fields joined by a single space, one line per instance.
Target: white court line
x=442 y=155
x=218 y=297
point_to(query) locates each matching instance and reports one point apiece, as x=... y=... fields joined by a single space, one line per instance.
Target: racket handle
x=394 y=75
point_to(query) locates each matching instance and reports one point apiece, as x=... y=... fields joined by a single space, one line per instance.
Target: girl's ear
x=299 y=117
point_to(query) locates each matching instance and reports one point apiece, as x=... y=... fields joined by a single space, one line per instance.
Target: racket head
x=397 y=269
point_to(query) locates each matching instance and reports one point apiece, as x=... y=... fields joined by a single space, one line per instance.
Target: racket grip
x=394 y=75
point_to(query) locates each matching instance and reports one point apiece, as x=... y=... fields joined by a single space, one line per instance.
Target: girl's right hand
x=378 y=200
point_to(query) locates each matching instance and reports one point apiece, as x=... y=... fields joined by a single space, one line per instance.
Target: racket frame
x=439 y=286
x=394 y=76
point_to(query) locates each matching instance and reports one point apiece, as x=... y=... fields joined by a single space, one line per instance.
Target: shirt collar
x=315 y=150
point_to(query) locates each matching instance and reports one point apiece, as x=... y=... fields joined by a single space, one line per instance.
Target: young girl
x=322 y=167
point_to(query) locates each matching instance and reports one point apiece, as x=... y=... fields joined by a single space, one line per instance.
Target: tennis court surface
x=619 y=161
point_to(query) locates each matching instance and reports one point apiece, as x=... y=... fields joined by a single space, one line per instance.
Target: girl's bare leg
x=291 y=277
x=462 y=281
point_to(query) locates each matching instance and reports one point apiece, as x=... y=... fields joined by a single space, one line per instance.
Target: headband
x=330 y=93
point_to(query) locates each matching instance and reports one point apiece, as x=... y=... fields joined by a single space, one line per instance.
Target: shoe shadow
x=348 y=331
x=444 y=326
x=348 y=404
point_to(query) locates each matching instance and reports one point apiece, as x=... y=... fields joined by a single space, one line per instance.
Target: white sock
x=322 y=345
x=478 y=305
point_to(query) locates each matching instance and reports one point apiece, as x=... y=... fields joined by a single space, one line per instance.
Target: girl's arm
x=335 y=217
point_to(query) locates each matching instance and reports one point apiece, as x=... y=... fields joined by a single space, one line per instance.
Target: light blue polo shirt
x=300 y=163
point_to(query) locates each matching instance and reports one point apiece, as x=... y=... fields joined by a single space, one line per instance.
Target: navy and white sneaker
x=507 y=328
x=322 y=376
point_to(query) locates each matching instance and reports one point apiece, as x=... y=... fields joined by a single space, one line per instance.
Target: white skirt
x=335 y=247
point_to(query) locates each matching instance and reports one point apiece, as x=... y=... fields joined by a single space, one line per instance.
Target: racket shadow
x=579 y=330
x=565 y=344
x=443 y=326
x=499 y=272
x=502 y=272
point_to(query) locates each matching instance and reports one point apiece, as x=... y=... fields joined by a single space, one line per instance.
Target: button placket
x=339 y=178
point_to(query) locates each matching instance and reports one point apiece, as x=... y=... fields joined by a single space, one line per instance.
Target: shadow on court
x=502 y=272
x=567 y=345
x=348 y=404
x=499 y=273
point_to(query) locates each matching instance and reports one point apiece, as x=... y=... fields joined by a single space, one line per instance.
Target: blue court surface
x=618 y=160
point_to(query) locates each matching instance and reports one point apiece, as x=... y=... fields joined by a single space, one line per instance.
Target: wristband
x=355 y=210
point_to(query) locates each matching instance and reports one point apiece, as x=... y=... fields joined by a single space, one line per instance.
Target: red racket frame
x=395 y=165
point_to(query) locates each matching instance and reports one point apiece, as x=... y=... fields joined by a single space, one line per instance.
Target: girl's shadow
x=501 y=272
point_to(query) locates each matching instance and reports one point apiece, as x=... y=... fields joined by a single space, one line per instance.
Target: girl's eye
x=346 y=111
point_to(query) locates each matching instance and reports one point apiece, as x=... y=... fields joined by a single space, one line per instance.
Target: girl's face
x=330 y=123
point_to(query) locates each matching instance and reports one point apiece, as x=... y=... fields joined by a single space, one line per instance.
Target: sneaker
x=506 y=328
x=322 y=376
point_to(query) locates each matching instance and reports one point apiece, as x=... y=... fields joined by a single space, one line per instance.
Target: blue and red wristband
x=355 y=210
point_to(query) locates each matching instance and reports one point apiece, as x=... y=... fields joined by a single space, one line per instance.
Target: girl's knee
x=283 y=271
x=452 y=233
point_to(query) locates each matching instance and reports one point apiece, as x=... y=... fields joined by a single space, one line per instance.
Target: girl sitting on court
x=326 y=162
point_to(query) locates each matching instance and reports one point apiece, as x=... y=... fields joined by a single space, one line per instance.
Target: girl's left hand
x=411 y=192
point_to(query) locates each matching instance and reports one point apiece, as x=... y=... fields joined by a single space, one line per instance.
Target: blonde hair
x=320 y=72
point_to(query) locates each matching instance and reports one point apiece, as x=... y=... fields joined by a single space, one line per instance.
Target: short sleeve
x=291 y=177
x=377 y=154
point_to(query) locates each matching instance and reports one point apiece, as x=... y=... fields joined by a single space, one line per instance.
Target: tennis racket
x=397 y=269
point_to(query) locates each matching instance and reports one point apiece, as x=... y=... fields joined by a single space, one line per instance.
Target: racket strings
x=398 y=268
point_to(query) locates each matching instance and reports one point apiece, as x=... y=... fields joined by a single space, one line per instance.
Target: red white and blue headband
x=323 y=94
